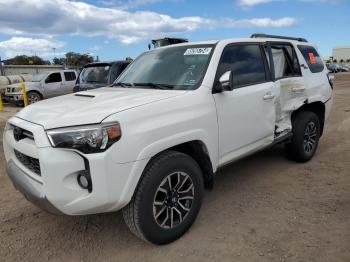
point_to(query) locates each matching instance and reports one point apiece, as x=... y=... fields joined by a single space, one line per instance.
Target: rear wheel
x=33 y=97
x=167 y=199
x=306 y=135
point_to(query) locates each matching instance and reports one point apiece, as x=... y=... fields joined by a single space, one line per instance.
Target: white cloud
x=129 y=4
x=250 y=3
x=29 y=46
x=262 y=22
x=63 y=17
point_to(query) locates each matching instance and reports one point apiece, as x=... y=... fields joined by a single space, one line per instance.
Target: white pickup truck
x=153 y=142
x=44 y=85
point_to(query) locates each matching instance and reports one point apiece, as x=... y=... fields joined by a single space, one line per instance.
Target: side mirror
x=225 y=83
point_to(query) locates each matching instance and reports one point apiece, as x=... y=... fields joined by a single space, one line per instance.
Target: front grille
x=31 y=163
x=20 y=133
x=11 y=90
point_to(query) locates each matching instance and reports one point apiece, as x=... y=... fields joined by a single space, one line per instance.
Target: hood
x=87 y=86
x=90 y=107
x=28 y=85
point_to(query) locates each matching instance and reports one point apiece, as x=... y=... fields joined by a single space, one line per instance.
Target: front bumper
x=31 y=192
x=56 y=188
x=13 y=97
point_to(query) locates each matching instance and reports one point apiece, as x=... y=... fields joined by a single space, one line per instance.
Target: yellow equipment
x=24 y=94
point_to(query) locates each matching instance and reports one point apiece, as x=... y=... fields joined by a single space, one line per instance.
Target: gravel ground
x=263 y=208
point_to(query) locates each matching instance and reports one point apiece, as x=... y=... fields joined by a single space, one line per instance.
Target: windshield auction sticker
x=198 y=51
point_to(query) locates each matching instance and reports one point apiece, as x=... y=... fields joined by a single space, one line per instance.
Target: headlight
x=87 y=139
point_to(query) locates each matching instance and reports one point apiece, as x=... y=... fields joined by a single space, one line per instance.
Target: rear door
x=68 y=85
x=290 y=86
x=246 y=115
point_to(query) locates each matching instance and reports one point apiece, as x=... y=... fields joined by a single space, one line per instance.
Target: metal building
x=28 y=69
x=341 y=54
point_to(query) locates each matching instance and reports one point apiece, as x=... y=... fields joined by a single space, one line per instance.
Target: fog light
x=84 y=181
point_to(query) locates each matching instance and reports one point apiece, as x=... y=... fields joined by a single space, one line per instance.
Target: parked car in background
x=45 y=85
x=344 y=68
x=333 y=68
x=336 y=68
x=95 y=75
x=160 y=42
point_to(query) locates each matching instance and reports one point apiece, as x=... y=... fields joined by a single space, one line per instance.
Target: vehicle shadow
x=95 y=234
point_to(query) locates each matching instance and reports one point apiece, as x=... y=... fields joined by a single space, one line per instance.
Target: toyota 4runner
x=151 y=143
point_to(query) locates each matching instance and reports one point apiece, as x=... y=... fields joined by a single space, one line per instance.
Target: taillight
x=330 y=79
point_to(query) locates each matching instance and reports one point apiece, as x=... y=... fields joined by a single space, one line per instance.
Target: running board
x=283 y=138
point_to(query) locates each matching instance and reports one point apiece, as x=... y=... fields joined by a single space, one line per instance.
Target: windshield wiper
x=155 y=85
x=94 y=82
x=122 y=84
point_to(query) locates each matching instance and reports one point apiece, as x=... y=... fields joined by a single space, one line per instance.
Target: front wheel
x=167 y=199
x=33 y=97
x=306 y=135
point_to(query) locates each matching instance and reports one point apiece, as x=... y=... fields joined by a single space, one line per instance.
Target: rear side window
x=54 y=78
x=285 y=61
x=69 y=76
x=245 y=62
x=312 y=58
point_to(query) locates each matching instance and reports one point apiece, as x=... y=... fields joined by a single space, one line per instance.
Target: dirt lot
x=263 y=208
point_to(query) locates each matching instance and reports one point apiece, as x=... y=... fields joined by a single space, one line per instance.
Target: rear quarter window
x=70 y=76
x=312 y=58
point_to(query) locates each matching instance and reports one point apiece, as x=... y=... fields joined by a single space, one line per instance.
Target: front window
x=95 y=75
x=181 y=68
x=246 y=63
x=53 y=78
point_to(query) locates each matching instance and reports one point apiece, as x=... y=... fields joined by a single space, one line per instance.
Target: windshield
x=95 y=74
x=161 y=43
x=38 y=77
x=181 y=68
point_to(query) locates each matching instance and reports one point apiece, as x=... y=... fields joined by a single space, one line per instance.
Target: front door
x=53 y=84
x=246 y=115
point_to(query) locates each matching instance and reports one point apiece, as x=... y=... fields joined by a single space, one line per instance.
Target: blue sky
x=115 y=29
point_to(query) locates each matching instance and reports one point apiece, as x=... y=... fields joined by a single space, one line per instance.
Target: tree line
x=71 y=60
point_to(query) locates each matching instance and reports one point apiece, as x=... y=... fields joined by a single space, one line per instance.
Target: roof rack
x=279 y=37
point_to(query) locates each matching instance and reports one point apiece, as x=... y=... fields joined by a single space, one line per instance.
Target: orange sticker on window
x=312 y=58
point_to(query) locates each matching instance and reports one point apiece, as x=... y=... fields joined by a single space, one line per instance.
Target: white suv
x=150 y=144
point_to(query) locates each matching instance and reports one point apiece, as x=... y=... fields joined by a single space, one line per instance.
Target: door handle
x=304 y=66
x=268 y=96
x=298 y=89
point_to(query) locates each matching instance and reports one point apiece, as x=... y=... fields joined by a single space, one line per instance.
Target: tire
x=144 y=215
x=19 y=104
x=306 y=135
x=33 y=97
